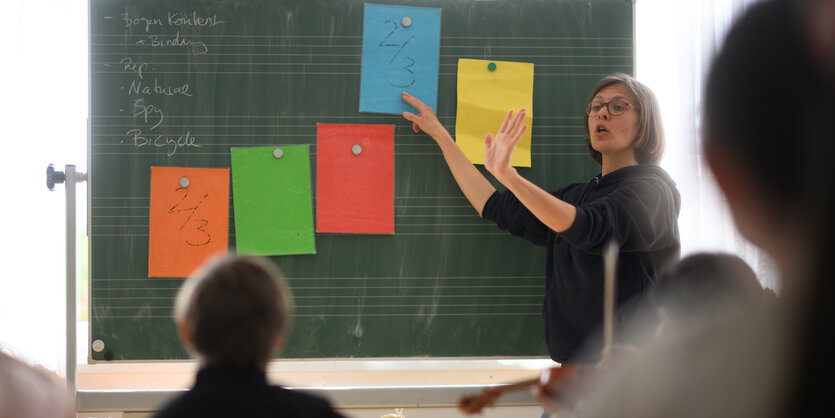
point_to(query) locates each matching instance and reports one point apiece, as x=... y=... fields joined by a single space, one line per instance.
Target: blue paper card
x=400 y=51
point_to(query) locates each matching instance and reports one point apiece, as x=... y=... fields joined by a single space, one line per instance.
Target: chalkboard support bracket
x=69 y=177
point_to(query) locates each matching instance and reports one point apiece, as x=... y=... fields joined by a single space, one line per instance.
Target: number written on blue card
x=400 y=51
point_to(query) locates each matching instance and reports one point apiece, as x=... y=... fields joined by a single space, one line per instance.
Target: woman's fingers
x=507 y=119
x=517 y=122
x=520 y=118
x=515 y=139
x=513 y=127
x=411 y=117
x=412 y=100
x=512 y=123
x=488 y=141
x=425 y=113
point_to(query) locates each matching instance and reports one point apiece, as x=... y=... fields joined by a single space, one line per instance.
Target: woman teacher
x=632 y=201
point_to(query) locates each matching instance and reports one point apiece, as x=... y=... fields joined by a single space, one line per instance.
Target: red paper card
x=189 y=218
x=355 y=179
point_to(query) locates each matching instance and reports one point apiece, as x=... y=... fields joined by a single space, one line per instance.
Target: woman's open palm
x=498 y=149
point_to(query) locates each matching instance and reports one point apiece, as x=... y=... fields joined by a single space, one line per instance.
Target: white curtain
x=44 y=114
x=675 y=42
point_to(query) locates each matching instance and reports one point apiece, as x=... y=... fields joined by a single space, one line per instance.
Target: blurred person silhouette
x=768 y=140
x=30 y=391
x=690 y=295
x=703 y=288
x=233 y=314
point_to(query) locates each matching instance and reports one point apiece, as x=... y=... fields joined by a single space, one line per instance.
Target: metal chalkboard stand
x=69 y=177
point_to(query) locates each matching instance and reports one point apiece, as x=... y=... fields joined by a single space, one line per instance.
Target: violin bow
x=474 y=404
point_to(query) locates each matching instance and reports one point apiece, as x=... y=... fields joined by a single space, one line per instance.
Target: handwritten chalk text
x=148 y=112
x=197 y=47
x=175 y=19
x=170 y=143
x=131 y=66
x=137 y=88
x=193 y=19
x=140 y=21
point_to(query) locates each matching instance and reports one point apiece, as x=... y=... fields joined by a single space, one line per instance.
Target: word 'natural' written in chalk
x=136 y=87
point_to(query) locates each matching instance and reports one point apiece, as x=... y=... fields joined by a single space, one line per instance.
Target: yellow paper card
x=487 y=90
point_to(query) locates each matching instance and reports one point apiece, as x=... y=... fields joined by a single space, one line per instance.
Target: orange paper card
x=189 y=218
x=355 y=179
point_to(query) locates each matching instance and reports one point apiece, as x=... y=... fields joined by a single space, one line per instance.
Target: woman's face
x=613 y=136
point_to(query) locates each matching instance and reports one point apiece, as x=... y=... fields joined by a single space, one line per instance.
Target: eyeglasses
x=615 y=107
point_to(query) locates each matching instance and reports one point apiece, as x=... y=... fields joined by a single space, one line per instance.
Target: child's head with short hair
x=234 y=311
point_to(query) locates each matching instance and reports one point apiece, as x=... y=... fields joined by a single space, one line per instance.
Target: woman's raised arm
x=554 y=213
x=475 y=186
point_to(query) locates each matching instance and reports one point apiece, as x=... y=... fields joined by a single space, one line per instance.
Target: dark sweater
x=636 y=205
x=224 y=392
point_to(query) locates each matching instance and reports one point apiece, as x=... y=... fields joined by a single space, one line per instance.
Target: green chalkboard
x=212 y=75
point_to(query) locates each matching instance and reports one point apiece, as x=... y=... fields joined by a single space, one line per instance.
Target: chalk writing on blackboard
x=152 y=115
x=136 y=87
x=135 y=67
x=149 y=95
x=148 y=112
x=131 y=21
x=174 y=19
x=196 y=47
x=170 y=143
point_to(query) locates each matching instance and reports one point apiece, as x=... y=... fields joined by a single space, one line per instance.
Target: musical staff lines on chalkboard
x=340 y=55
x=414 y=215
x=451 y=296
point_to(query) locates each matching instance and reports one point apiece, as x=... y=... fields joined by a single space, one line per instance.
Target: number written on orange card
x=189 y=218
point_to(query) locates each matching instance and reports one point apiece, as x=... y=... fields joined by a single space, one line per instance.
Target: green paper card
x=272 y=198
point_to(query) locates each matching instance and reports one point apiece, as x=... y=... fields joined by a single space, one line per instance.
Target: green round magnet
x=491 y=66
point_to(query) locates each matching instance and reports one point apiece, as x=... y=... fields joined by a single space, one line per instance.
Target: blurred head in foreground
x=768 y=139
x=703 y=288
x=768 y=135
x=234 y=312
